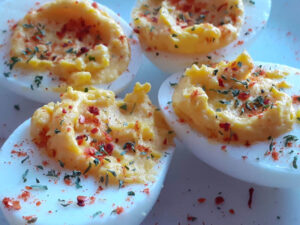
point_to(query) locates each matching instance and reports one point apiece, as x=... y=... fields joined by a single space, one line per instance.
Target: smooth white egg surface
x=30 y=84
x=37 y=184
x=253 y=163
x=256 y=15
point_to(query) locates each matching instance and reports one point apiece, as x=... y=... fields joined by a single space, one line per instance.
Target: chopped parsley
x=27 y=26
x=39 y=187
x=288 y=139
x=295 y=162
x=52 y=173
x=112 y=172
x=13 y=61
x=56 y=131
x=92 y=58
x=24 y=176
x=124 y=106
x=62 y=165
x=131 y=193
x=97 y=213
x=88 y=168
x=27 y=157
x=71 y=51
x=63 y=203
x=17 y=107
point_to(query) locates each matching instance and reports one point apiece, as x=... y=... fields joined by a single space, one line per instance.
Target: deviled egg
x=177 y=33
x=89 y=159
x=47 y=46
x=240 y=117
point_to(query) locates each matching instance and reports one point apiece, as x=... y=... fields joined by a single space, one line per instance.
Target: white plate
x=188 y=178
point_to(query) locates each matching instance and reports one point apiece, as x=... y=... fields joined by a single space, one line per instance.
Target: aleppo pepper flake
x=201 y=200
x=119 y=210
x=243 y=96
x=94 y=110
x=219 y=200
x=11 y=204
x=81 y=200
x=296 y=99
x=191 y=218
x=221 y=83
x=225 y=126
x=231 y=211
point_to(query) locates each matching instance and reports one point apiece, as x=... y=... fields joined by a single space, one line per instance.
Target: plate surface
x=189 y=179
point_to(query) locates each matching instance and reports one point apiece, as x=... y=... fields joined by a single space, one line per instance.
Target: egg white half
x=20 y=81
x=255 y=18
x=12 y=169
x=245 y=163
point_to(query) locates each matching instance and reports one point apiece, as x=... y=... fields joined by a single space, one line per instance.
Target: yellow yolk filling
x=118 y=140
x=234 y=102
x=73 y=40
x=188 y=26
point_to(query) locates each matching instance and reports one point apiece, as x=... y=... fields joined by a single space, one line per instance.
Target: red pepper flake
x=221 y=83
x=231 y=211
x=11 y=204
x=275 y=155
x=30 y=219
x=38 y=203
x=181 y=120
x=109 y=148
x=119 y=210
x=165 y=141
x=296 y=99
x=222 y=6
x=81 y=200
x=94 y=110
x=225 y=126
x=244 y=157
x=70 y=107
x=67 y=181
x=19 y=153
x=80 y=139
x=136 y=30
x=89 y=151
x=92 y=200
x=240 y=42
x=247 y=144
x=251 y=190
x=243 y=96
x=201 y=200
x=95 y=5
x=64 y=111
x=219 y=200
x=94 y=130
x=99 y=189
x=191 y=218
x=194 y=94
x=223 y=148
x=25 y=195
x=146 y=191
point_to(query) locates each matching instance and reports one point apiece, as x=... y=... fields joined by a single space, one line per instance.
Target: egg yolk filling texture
x=74 y=40
x=234 y=102
x=113 y=140
x=188 y=26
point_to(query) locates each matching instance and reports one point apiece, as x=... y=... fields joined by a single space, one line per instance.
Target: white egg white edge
x=135 y=209
x=20 y=81
x=238 y=161
x=256 y=17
